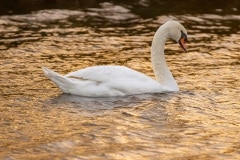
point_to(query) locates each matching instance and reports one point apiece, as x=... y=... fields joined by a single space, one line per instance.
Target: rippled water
x=37 y=121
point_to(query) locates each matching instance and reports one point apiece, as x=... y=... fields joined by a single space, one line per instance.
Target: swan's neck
x=160 y=68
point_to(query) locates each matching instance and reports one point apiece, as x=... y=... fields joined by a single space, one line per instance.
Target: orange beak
x=182 y=44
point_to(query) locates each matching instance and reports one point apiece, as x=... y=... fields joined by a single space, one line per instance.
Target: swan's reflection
x=96 y=104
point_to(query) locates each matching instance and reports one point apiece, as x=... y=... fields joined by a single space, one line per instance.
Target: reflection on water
x=37 y=121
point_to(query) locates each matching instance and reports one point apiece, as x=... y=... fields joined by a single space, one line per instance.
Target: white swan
x=106 y=81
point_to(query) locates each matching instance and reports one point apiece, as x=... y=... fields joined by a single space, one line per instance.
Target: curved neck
x=160 y=68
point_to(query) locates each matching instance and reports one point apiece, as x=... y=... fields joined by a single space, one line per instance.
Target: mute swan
x=106 y=81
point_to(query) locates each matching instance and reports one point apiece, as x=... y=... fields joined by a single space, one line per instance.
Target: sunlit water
x=37 y=121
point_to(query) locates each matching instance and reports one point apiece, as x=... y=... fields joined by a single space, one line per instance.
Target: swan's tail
x=58 y=79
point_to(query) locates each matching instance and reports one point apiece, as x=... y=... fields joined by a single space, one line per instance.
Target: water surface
x=37 y=121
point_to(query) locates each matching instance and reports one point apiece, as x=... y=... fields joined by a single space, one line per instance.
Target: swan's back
x=107 y=73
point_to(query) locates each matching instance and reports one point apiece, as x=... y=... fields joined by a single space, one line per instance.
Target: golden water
x=37 y=121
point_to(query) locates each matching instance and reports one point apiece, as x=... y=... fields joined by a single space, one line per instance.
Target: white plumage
x=105 y=81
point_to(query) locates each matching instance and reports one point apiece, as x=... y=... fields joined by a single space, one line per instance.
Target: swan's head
x=177 y=32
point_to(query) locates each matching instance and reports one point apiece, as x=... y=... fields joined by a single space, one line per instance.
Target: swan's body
x=105 y=81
